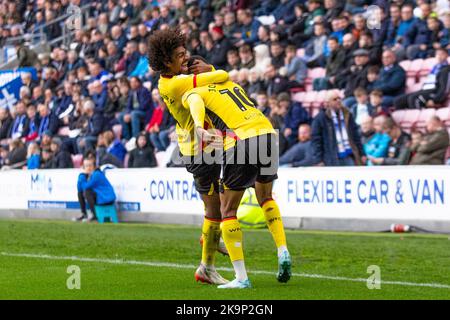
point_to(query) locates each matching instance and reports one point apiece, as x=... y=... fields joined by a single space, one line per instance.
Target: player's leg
x=206 y=182
x=263 y=188
x=233 y=237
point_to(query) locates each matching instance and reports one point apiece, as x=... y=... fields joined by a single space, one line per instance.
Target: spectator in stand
x=435 y=88
x=93 y=188
x=356 y=76
x=20 y=122
x=246 y=57
x=335 y=63
x=418 y=35
x=161 y=125
x=376 y=103
x=314 y=51
x=399 y=151
x=295 y=67
x=139 y=108
x=262 y=103
x=392 y=80
x=300 y=154
x=277 y=54
x=434 y=145
x=221 y=46
x=6 y=122
x=296 y=33
x=274 y=82
x=95 y=125
x=46 y=158
x=362 y=108
x=33 y=156
x=61 y=158
x=376 y=146
x=233 y=61
x=294 y=115
x=114 y=146
x=143 y=156
x=17 y=155
x=335 y=138
x=26 y=56
x=315 y=10
x=249 y=28
x=255 y=84
x=48 y=120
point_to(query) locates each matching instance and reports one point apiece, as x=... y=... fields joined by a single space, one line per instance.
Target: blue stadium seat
x=108 y=211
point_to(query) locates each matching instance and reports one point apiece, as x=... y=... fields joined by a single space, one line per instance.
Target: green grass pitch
x=143 y=261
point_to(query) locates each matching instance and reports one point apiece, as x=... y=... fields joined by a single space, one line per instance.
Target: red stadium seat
x=299 y=96
x=444 y=115
x=410 y=88
x=428 y=64
x=309 y=99
x=410 y=118
x=425 y=115
x=398 y=116
x=77 y=160
x=414 y=68
x=405 y=64
x=320 y=100
x=313 y=74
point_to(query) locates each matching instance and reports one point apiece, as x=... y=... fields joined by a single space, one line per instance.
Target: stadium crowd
x=99 y=96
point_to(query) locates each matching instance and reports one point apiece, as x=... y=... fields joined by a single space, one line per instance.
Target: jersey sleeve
x=193 y=101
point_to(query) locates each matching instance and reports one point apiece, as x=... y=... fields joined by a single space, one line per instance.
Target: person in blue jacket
x=93 y=187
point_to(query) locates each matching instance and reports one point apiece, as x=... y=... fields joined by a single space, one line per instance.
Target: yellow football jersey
x=230 y=109
x=171 y=89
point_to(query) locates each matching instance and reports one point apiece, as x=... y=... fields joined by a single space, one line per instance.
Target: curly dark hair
x=162 y=45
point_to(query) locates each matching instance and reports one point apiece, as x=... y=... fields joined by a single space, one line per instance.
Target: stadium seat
x=405 y=64
x=410 y=118
x=77 y=160
x=298 y=97
x=411 y=88
x=425 y=115
x=398 y=116
x=314 y=74
x=428 y=64
x=320 y=100
x=414 y=68
x=106 y=212
x=444 y=115
x=309 y=99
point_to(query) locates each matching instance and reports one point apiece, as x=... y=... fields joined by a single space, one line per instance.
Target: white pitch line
x=190 y=266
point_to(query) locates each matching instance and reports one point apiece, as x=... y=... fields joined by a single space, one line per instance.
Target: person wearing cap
x=356 y=76
x=220 y=48
x=62 y=158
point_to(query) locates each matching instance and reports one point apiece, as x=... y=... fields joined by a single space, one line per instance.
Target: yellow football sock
x=274 y=222
x=211 y=238
x=232 y=236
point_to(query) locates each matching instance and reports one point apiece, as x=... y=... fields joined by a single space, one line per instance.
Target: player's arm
x=179 y=85
x=197 y=108
x=194 y=101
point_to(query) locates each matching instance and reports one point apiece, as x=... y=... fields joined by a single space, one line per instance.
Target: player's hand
x=211 y=139
x=199 y=67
